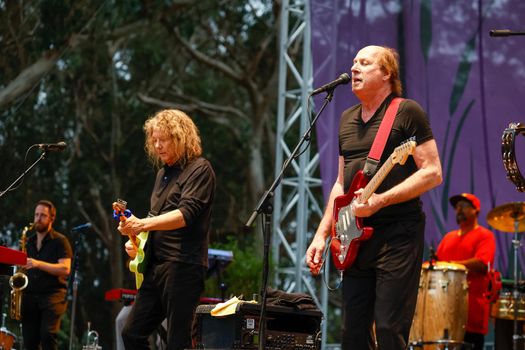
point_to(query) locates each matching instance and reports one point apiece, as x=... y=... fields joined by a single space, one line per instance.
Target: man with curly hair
x=178 y=225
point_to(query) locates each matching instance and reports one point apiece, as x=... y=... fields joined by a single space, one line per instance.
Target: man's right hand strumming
x=130 y=249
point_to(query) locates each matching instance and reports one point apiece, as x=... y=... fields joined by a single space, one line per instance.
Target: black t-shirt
x=356 y=139
x=55 y=246
x=191 y=190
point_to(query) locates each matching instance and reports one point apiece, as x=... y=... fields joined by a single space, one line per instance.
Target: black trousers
x=382 y=286
x=41 y=315
x=476 y=339
x=170 y=290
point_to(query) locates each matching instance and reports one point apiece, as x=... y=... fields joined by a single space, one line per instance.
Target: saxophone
x=18 y=282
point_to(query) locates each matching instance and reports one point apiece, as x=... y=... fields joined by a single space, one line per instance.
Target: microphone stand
x=266 y=208
x=42 y=156
x=73 y=288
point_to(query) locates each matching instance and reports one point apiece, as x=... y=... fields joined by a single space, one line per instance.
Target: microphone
x=53 y=147
x=81 y=227
x=499 y=32
x=504 y=32
x=343 y=79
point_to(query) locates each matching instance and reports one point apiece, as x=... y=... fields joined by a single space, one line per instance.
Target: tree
x=90 y=72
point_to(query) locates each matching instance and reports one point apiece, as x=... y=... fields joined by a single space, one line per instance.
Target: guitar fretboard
x=400 y=153
x=378 y=178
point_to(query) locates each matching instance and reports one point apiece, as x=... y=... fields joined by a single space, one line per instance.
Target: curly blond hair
x=183 y=132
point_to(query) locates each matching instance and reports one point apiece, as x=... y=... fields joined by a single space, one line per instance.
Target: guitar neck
x=378 y=178
x=133 y=240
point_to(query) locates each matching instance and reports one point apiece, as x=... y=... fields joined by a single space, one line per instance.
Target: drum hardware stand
x=510 y=217
x=515 y=292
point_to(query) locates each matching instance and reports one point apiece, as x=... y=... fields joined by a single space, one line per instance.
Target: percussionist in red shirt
x=474 y=247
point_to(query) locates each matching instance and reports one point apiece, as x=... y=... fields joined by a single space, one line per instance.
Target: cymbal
x=503 y=217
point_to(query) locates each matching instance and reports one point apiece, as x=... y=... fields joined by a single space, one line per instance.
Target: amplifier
x=286 y=328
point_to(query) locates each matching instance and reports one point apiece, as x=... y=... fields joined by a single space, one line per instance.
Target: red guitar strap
x=372 y=161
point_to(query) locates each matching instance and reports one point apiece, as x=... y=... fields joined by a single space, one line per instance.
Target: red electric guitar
x=347 y=230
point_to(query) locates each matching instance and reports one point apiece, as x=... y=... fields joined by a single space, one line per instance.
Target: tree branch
x=102 y=214
x=215 y=112
x=97 y=229
x=218 y=65
x=27 y=79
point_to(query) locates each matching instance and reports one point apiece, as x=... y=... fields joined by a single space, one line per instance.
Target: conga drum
x=442 y=304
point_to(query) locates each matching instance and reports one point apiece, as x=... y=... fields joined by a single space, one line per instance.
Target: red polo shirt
x=481 y=244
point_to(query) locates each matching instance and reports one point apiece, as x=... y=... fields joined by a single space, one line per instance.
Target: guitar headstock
x=401 y=153
x=120 y=205
x=120 y=211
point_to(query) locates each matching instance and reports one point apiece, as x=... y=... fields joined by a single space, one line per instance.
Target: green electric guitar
x=138 y=264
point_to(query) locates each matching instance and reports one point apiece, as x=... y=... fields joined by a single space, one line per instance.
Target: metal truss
x=297 y=201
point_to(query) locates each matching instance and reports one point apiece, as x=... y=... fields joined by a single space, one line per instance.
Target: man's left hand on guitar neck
x=369 y=207
x=131 y=226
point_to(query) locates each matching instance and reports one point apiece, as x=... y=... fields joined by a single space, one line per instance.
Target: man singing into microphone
x=48 y=265
x=382 y=284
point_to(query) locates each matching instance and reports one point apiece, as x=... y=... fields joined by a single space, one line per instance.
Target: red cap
x=468 y=197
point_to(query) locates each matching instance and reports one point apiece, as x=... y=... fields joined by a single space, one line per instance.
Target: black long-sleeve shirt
x=192 y=189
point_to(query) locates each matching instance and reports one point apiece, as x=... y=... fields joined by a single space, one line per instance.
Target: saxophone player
x=47 y=268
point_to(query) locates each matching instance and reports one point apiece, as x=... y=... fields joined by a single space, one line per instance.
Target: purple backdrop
x=471 y=85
